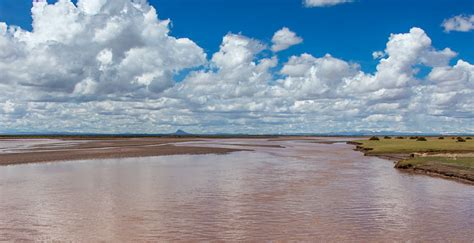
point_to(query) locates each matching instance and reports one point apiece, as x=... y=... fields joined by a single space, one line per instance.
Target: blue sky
x=236 y=66
x=350 y=31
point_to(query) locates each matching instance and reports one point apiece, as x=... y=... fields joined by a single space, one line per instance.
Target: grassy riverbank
x=447 y=157
x=407 y=145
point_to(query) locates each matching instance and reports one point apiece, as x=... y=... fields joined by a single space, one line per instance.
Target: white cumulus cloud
x=284 y=39
x=120 y=46
x=109 y=66
x=462 y=23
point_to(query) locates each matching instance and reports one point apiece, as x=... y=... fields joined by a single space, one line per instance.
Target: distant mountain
x=180 y=132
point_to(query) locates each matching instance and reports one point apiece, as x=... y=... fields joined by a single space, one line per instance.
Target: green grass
x=433 y=144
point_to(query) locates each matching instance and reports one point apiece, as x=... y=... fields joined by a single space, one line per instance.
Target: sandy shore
x=105 y=149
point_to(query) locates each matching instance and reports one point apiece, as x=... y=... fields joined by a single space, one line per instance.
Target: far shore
x=71 y=148
x=106 y=148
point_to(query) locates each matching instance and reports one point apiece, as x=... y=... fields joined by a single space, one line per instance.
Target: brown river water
x=305 y=191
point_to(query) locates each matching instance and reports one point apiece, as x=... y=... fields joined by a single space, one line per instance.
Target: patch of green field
x=406 y=145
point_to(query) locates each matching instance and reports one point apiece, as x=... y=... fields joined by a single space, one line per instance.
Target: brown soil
x=109 y=148
x=447 y=172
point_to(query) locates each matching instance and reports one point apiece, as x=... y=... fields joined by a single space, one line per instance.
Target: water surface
x=25 y=145
x=304 y=191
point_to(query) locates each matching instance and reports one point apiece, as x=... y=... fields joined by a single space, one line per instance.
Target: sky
x=281 y=66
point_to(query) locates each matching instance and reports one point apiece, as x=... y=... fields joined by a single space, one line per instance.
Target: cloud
x=284 y=39
x=462 y=23
x=378 y=54
x=310 y=77
x=109 y=66
x=236 y=74
x=102 y=49
x=451 y=92
x=236 y=50
x=403 y=52
x=323 y=3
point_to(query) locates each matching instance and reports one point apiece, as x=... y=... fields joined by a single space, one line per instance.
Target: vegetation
x=460 y=139
x=441 y=138
x=446 y=157
x=421 y=139
x=374 y=138
x=387 y=137
x=400 y=138
x=408 y=146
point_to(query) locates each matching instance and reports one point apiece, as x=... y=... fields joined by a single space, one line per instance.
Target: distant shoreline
x=106 y=148
x=71 y=148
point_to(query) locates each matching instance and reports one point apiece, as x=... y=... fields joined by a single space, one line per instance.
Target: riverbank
x=105 y=148
x=445 y=157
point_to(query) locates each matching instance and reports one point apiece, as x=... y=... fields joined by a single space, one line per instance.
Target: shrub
x=400 y=137
x=468 y=138
x=441 y=138
x=460 y=139
x=413 y=137
x=374 y=138
x=387 y=137
x=421 y=139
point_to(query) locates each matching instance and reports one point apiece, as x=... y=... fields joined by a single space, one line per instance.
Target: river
x=300 y=191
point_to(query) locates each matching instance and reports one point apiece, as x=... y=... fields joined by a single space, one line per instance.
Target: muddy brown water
x=305 y=191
